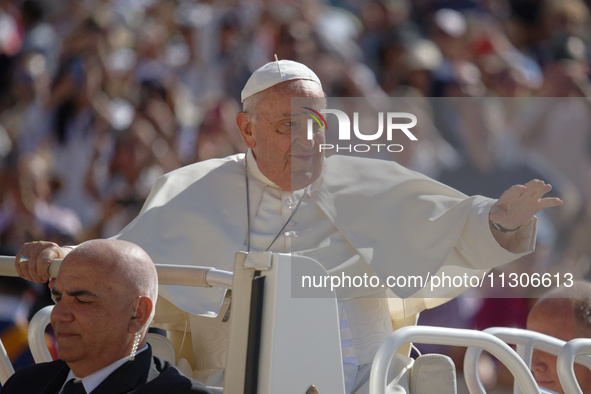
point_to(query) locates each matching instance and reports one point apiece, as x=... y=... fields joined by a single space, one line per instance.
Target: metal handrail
x=36 y=335
x=447 y=336
x=168 y=274
x=525 y=341
x=566 y=361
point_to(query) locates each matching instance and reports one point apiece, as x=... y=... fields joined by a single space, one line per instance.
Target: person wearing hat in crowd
x=355 y=216
x=105 y=297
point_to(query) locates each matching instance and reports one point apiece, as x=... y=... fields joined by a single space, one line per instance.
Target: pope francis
x=355 y=216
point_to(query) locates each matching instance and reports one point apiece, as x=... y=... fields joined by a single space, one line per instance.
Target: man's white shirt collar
x=92 y=381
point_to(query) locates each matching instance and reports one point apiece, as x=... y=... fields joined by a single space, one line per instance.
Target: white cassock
x=362 y=216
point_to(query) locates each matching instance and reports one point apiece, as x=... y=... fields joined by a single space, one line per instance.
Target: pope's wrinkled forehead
x=274 y=73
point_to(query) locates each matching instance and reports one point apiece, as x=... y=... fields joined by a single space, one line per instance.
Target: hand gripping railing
x=447 y=336
x=525 y=341
x=168 y=274
x=181 y=275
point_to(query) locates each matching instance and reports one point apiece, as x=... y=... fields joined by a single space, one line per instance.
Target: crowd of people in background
x=100 y=97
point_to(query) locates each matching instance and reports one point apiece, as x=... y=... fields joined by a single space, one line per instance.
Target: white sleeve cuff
x=478 y=245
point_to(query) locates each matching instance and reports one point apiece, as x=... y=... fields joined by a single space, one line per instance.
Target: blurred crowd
x=100 y=97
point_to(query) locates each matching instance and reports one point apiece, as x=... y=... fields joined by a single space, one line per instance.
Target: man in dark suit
x=105 y=295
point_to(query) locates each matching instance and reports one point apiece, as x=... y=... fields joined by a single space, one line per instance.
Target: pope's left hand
x=520 y=202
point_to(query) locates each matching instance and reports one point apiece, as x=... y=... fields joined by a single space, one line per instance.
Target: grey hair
x=582 y=310
x=251 y=104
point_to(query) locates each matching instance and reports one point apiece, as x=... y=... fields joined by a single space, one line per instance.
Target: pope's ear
x=244 y=123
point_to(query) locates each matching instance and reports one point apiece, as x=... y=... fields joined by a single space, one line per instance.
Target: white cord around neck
x=248 y=211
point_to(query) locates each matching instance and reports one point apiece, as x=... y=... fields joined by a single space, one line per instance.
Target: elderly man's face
x=92 y=315
x=555 y=317
x=277 y=135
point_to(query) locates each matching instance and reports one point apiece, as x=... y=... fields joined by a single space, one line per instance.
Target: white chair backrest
x=162 y=347
x=453 y=337
x=433 y=373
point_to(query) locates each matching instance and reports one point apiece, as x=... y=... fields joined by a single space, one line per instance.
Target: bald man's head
x=105 y=294
x=122 y=262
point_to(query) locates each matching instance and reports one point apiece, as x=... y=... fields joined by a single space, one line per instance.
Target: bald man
x=105 y=294
x=564 y=314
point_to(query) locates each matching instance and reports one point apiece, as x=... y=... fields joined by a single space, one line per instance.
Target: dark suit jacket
x=144 y=375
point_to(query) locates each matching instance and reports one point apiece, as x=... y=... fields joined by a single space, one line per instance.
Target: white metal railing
x=566 y=361
x=36 y=335
x=525 y=342
x=168 y=274
x=447 y=336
